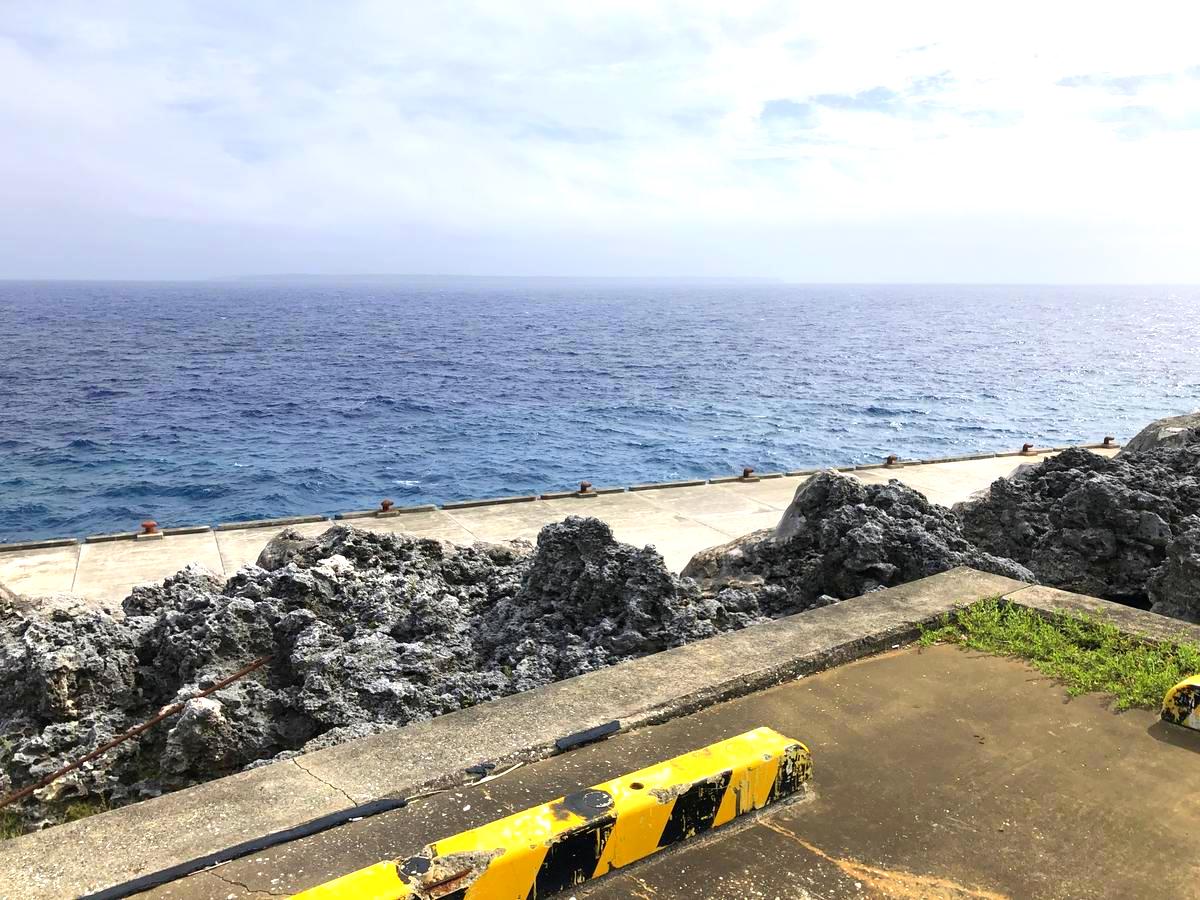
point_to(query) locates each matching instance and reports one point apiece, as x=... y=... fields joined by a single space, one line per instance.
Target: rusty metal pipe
x=133 y=732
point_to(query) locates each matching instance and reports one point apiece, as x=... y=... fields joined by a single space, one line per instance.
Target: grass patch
x=81 y=809
x=1085 y=653
x=10 y=825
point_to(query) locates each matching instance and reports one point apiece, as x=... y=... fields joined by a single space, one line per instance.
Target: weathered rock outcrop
x=1174 y=587
x=1173 y=431
x=838 y=539
x=365 y=632
x=587 y=602
x=1097 y=526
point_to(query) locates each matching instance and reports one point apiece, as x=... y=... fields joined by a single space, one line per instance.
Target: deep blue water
x=205 y=402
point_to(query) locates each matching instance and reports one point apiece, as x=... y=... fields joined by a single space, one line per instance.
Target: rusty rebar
x=163 y=713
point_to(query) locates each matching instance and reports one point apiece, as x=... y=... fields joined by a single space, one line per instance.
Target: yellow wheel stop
x=591 y=832
x=1181 y=703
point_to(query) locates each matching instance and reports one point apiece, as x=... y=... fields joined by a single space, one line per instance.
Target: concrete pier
x=678 y=520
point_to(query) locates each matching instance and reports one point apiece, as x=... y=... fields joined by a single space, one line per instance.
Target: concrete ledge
x=1036 y=451
x=490 y=501
x=187 y=529
x=105 y=538
x=964 y=457
x=668 y=484
x=380 y=514
x=594 y=492
x=112 y=847
x=39 y=545
x=1139 y=622
x=265 y=523
x=797 y=472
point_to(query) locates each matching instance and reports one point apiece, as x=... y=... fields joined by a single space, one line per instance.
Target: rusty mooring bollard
x=1108 y=440
x=585 y=487
x=891 y=460
x=385 y=505
x=1026 y=449
x=747 y=472
x=149 y=531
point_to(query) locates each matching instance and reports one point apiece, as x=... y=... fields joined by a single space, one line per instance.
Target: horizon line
x=746 y=279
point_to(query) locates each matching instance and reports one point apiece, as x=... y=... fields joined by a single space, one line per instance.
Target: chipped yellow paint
x=591 y=832
x=1181 y=705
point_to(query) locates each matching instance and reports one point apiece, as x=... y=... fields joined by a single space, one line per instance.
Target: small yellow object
x=1180 y=706
x=591 y=832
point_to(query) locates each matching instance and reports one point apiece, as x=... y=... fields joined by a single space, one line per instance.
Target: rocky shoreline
x=367 y=632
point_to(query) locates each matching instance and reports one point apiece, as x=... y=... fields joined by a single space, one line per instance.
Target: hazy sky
x=1046 y=141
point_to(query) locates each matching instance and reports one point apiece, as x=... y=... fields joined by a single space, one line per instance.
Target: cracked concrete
x=300 y=766
x=245 y=890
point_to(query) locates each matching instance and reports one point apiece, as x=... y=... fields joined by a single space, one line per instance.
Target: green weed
x=1085 y=653
x=10 y=825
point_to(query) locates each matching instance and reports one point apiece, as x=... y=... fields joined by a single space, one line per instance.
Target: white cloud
x=549 y=137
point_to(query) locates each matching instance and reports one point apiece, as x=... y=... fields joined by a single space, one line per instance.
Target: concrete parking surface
x=938 y=773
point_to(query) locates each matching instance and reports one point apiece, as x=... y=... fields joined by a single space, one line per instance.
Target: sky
x=861 y=142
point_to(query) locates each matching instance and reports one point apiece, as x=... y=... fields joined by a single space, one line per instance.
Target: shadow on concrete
x=1175 y=735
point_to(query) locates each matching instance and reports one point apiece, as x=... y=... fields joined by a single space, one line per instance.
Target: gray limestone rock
x=587 y=601
x=281 y=548
x=840 y=538
x=1174 y=587
x=1089 y=524
x=365 y=632
x=1173 y=431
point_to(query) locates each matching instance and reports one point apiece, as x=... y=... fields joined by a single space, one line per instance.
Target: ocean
x=195 y=403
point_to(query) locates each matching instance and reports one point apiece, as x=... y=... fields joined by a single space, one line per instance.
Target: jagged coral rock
x=1089 y=524
x=840 y=538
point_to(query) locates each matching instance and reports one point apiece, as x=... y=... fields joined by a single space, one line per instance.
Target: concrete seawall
x=678 y=519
